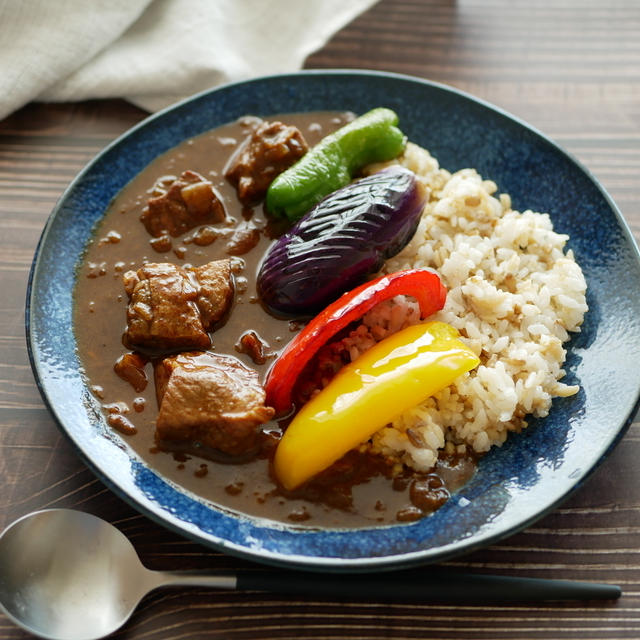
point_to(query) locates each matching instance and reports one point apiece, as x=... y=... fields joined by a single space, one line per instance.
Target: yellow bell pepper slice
x=394 y=375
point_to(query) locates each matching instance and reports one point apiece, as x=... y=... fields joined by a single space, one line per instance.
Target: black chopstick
x=427 y=585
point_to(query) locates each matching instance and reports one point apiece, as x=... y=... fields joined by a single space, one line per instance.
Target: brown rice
x=514 y=295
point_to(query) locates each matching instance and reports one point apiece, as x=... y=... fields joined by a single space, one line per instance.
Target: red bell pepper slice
x=423 y=284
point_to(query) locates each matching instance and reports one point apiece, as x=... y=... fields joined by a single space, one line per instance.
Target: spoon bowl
x=85 y=585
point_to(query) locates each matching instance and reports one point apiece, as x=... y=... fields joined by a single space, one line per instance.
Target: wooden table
x=570 y=68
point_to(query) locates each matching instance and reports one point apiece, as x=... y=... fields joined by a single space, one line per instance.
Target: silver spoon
x=68 y=575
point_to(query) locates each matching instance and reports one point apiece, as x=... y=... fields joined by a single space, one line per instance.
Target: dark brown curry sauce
x=359 y=490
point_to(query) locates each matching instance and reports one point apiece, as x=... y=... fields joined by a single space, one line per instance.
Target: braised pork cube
x=172 y=308
x=272 y=148
x=215 y=294
x=210 y=400
x=190 y=201
x=162 y=313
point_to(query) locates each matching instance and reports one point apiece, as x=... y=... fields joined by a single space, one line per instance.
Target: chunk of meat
x=130 y=367
x=162 y=312
x=272 y=148
x=172 y=308
x=244 y=238
x=189 y=201
x=216 y=291
x=211 y=400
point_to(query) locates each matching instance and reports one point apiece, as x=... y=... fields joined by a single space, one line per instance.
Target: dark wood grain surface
x=572 y=69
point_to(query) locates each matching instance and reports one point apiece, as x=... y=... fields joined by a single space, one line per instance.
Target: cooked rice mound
x=513 y=294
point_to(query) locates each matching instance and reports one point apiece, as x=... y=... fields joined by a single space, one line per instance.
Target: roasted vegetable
x=422 y=284
x=394 y=375
x=340 y=242
x=331 y=164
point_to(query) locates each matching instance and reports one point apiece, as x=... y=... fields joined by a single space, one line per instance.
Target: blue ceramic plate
x=515 y=484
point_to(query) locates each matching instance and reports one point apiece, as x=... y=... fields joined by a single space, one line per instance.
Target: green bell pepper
x=331 y=164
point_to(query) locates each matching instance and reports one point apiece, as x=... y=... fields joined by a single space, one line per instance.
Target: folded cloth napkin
x=154 y=52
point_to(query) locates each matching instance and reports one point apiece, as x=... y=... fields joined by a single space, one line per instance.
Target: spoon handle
x=427 y=585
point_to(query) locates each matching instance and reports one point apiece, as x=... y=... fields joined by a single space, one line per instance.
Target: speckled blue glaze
x=515 y=484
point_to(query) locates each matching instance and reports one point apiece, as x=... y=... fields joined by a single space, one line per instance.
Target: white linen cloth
x=154 y=52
